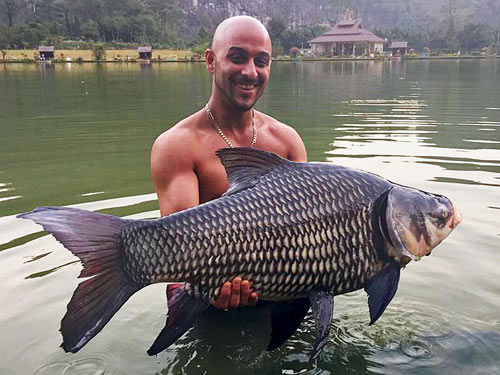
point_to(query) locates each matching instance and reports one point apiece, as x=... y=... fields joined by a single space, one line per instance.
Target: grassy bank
x=86 y=55
x=184 y=55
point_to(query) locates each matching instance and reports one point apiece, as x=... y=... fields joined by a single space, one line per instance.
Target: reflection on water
x=80 y=135
x=46 y=272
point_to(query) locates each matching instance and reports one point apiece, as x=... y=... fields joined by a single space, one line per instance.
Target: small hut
x=399 y=49
x=46 y=52
x=145 y=52
x=347 y=37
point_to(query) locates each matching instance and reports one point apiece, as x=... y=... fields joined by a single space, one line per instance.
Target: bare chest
x=212 y=179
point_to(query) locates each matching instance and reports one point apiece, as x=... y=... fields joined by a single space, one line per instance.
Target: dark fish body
x=303 y=226
x=298 y=231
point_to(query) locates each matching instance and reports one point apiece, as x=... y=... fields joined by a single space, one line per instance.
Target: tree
x=433 y=23
x=495 y=41
x=5 y=37
x=169 y=12
x=276 y=27
x=10 y=8
x=451 y=33
x=300 y=36
x=473 y=36
x=99 y=52
x=346 y=9
x=90 y=31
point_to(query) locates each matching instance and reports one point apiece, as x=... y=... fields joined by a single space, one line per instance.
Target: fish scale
x=326 y=225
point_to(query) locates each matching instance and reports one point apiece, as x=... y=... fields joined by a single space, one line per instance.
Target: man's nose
x=249 y=70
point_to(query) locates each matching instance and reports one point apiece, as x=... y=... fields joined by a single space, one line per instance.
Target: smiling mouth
x=246 y=86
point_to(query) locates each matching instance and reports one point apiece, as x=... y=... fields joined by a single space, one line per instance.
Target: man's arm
x=173 y=176
x=296 y=148
x=298 y=151
x=176 y=184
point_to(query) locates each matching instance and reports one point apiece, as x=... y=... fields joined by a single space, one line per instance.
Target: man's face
x=242 y=67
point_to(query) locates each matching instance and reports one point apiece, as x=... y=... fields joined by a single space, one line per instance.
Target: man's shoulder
x=179 y=142
x=278 y=128
x=179 y=135
x=282 y=138
x=273 y=123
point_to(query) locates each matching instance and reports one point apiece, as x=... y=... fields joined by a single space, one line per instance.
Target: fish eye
x=440 y=213
x=445 y=215
x=439 y=217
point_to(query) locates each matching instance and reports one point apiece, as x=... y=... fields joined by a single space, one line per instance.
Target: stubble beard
x=230 y=99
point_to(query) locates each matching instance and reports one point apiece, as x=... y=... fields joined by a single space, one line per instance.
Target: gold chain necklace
x=221 y=133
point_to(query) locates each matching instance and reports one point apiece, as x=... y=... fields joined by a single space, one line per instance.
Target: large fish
x=300 y=232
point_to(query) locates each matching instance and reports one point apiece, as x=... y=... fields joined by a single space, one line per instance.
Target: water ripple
x=96 y=363
x=416 y=349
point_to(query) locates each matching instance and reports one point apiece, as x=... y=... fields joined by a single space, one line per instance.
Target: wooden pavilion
x=347 y=37
x=399 y=49
x=145 y=52
x=46 y=52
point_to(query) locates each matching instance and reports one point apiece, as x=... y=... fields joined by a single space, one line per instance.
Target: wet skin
x=184 y=167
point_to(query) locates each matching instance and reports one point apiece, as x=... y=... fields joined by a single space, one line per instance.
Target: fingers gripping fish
x=300 y=232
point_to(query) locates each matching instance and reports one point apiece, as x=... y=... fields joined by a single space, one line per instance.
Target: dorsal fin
x=245 y=165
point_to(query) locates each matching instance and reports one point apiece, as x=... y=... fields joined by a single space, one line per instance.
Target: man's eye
x=261 y=62
x=237 y=59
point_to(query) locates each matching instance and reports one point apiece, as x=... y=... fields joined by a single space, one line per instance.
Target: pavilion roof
x=46 y=49
x=348 y=31
x=399 y=45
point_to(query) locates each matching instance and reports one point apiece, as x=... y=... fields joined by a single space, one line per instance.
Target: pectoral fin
x=285 y=319
x=381 y=289
x=183 y=310
x=322 y=307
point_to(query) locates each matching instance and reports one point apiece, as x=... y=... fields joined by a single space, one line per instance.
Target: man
x=185 y=170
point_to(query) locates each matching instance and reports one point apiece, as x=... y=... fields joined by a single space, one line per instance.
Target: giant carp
x=299 y=232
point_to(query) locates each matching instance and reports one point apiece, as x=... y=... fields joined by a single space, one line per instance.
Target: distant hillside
x=414 y=15
x=448 y=24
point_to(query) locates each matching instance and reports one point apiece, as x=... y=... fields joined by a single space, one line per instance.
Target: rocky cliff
x=411 y=15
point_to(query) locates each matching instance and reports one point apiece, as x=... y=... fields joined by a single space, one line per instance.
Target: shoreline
x=172 y=56
x=274 y=60
x=48 y=62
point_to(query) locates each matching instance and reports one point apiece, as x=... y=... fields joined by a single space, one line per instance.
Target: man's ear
x=210 y=60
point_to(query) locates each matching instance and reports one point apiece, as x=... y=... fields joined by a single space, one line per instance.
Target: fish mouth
x=456 y=219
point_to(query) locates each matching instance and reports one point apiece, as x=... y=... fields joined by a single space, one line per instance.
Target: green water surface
x=80 y=134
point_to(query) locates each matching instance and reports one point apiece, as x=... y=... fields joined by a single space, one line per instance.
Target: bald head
x=240 y=62
x=237 y=28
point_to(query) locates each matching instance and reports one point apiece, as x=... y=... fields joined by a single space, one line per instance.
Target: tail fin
x=94 y=238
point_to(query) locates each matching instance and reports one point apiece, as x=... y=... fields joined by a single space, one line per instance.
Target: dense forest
x=444 y=25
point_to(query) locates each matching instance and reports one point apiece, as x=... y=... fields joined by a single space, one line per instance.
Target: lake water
x=80 y=135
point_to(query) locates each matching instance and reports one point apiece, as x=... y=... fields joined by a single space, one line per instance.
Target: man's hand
x=235 y=294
